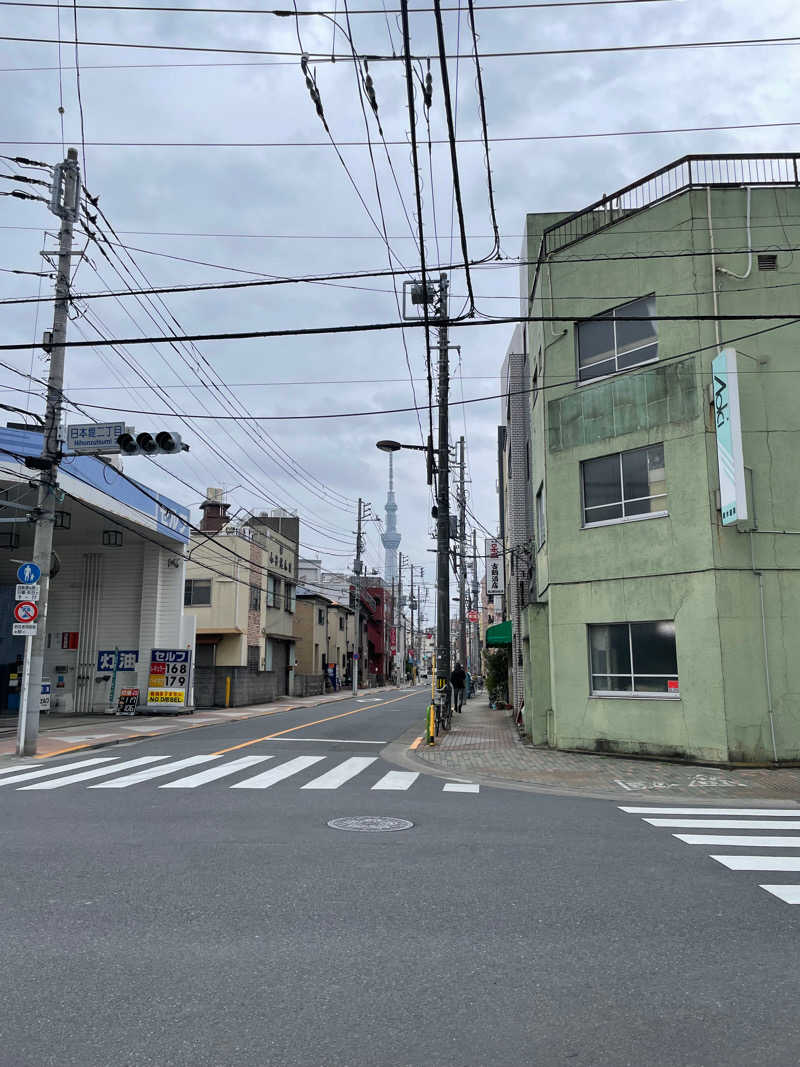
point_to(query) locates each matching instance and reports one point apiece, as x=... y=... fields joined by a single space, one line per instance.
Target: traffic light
x=151 y=444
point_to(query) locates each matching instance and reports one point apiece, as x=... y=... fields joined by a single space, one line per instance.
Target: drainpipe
x=767 y=676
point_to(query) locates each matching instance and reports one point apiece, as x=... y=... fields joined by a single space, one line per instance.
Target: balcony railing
x=690 y=172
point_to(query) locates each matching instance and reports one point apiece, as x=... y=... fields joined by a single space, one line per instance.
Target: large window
x=635 y=658
x=255 y=598
x=197 y=591
x=625 y=485
x=608 y=344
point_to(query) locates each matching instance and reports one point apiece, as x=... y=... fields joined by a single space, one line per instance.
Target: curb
x=400 y=754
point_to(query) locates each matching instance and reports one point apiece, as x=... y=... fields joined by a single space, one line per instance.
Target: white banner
x=733 y=496
x=495 y=567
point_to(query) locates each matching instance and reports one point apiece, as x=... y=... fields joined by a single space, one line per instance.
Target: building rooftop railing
x=690 y=172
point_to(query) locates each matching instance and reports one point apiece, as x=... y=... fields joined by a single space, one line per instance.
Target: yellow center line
x=317 y=722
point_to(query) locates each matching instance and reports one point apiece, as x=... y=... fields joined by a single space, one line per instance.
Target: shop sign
x=730 y=458
x=495 y=567
x=169 y=676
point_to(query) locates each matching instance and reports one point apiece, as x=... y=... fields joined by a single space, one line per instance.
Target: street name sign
x=26 y=611
x=29 y=573
x=24 y=629
x=28 y=592
x=95 y=436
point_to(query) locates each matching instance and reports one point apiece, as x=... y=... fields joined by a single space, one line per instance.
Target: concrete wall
x=685 y=566
x=247 y=687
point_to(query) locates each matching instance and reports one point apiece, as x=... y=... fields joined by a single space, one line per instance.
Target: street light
x=395 y=446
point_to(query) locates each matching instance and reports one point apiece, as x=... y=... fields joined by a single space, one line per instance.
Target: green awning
x=499 y=634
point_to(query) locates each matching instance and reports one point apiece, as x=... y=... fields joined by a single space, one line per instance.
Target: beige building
x=241 y=581
x=325 y=629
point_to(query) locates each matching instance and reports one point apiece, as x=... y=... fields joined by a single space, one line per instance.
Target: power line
x=318 y=57
x=358 y=11
x=379 y=327
x=484 y=127
x=452 y=403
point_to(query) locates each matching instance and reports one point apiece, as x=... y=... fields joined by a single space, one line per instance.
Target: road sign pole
x=23 y=692
x=66 y=204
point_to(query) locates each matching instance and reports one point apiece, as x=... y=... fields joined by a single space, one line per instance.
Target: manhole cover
x=370 y=824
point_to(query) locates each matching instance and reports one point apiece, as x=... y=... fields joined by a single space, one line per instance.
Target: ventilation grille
x=768 y=261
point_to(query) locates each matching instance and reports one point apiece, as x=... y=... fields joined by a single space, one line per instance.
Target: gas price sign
x=170 y=670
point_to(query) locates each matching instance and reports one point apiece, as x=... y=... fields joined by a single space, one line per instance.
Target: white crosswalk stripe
x=95 y=772
x=728 y=824
x=397 y=780
x=278 y=774
x=152 y=772
x=215 y=773
x=771 y=813
x=341 y=774
x=759 y=863
x=26 y=776
x=751 y=819
x=210 y=768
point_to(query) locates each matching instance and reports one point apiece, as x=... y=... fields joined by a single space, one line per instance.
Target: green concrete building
x=654 y=628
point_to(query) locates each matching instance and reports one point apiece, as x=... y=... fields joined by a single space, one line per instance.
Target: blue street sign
x=29 y=573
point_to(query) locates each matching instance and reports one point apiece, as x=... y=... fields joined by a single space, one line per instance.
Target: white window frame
x=613 y=312
x=633 y=694
x=661 y=514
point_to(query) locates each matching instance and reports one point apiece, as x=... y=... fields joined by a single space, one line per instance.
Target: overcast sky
x=294 y=211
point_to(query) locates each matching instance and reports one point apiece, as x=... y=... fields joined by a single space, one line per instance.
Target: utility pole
x=401 y=645
x=462 y=559
x=357 y=572
x=443 y=506
x=65 y=203
x=476 y=652
x=412 y=606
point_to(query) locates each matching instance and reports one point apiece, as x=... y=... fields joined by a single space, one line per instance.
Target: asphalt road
x=200 y=925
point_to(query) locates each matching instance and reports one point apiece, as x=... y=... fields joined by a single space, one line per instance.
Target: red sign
x=473 y=616
x=26 y=611
x=393 y=640
x=158 y=668
x=69 y=639
x=672 y=685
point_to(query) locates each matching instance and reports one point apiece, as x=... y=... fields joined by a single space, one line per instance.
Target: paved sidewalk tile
x=484 y=743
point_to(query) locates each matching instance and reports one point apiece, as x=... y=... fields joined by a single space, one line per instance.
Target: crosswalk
x=772 y=824
x=113 y=772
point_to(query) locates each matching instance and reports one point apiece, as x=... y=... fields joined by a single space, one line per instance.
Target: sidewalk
x=59 y=734
x=483 y=745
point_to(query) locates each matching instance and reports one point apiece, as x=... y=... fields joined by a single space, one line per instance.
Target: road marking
x=397 y=780
x=316 y=722
x=211 y=775
x=759 y=863
x=764 y=812
x=789 y=894
x=415 y=743
x=737 y=841
x=96 y=772
x=728 y=824
x=328 y=740
x=28 y=775
x=16 y=767
x=343 y=773
x=460 y=787
x=151 y=772
x=277 y=774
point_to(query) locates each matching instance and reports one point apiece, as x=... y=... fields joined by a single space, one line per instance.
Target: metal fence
x=686 y=173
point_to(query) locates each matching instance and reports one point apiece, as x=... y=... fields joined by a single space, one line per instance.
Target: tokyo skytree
x=390 y=536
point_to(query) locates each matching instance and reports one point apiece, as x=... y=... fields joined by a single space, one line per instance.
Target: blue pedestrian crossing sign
x=29 y=573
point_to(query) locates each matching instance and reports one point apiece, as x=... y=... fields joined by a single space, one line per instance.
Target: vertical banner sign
x=169 y=676
x=495 y=567
x=733 y=497
x=393 y=640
